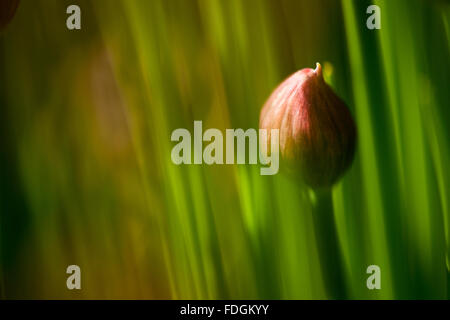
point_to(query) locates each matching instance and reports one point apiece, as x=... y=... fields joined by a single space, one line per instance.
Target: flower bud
x=317 y=131
x=7 y=10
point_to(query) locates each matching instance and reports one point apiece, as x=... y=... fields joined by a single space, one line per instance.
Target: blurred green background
x=87 y=179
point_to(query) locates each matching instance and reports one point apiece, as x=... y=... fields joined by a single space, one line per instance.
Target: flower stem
x=330 y=256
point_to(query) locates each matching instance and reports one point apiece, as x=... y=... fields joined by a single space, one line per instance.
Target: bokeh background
x=87 y=179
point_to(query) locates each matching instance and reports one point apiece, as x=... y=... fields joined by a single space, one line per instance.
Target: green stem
x=330 y=256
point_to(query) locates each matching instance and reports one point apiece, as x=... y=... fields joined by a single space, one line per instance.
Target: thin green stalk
x=331 y=263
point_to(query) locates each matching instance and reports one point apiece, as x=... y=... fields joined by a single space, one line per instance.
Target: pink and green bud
x=317 y=131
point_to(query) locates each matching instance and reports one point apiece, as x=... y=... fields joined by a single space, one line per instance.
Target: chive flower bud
x=317 y=131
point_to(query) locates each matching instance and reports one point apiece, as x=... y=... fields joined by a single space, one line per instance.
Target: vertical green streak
x=445 y=19
x=389 y=65
x=367 y=149
x=425 y=232
x=180 y=252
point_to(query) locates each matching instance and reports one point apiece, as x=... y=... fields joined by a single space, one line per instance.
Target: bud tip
x=318 y=69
